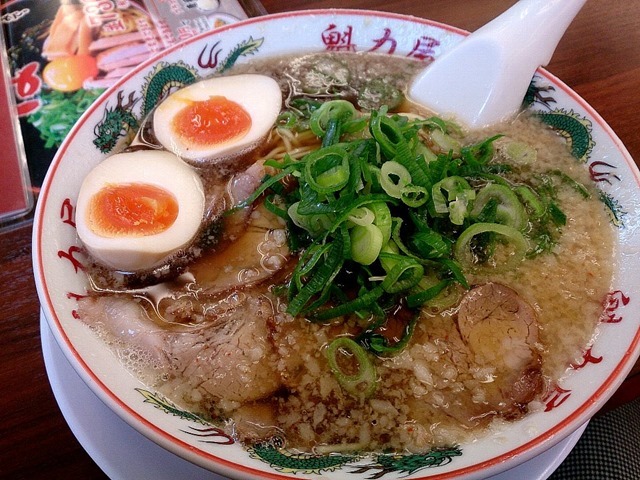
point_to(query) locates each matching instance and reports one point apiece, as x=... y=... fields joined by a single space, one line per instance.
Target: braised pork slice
x=229 y=360
x=253 y=245
x=500 y=329
x=258 y=252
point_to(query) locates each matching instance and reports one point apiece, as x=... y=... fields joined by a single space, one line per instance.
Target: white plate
x=124 y=453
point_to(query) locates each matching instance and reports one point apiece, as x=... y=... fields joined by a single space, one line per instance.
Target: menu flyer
x=62 y=54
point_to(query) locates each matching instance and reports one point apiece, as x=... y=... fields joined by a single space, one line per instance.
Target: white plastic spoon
x=483 y=79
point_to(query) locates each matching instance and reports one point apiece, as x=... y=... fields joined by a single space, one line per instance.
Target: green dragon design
x=574 y=128
x=120 y=121
x=614 y=208
x=164 y=78
x=411 y=463
x=536 y=93
x=577 y=131
x=170 y=408
x=278 y=458
x=117 y=122
x=273 y=453
x=248 y=47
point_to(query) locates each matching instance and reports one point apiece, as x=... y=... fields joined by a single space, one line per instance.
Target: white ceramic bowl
x=60 y=278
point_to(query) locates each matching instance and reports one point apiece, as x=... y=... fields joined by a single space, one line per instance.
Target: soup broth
x=219 y=337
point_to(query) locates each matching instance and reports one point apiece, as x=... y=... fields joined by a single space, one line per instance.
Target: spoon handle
x=532 y=27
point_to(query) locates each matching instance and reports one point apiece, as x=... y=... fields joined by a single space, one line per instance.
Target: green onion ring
x=363 y=382
x=462 y=250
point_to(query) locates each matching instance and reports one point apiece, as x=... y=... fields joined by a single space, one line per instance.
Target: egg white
x=153 y=167
x=259 y=95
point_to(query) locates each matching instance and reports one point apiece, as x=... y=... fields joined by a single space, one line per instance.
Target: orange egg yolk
x=214 y=121
x=132 y=210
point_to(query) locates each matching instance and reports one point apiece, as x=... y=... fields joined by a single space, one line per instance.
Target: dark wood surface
x=599 y=57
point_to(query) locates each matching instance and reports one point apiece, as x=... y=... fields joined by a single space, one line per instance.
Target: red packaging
x=16 y=198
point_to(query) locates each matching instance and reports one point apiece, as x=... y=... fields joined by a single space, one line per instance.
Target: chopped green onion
x=323 y=276
x=315 y=224
x=393 y=178
x=266 y=184
x=386 y=132
x=381 y=345
x=430 y=244
x=445 y=142
x=347 y=208
x=453 y=186
x=425 y=153
x=413 y=195
x=275 y=208
x=366 y=243
x=577 y=186
x=455 y=270
x=405 y=274
x=436 y=294
x=464 y=249
x=557 y=215
x=327 y=169
x=480 y=153
x=531 y=200
x=387 y=262
x=456 y=202
x=459 y=208
x=362 y=383
x=361 y=216
x=335 y=109
x=382 y=219
x=426 y=295
x=509 y=210
x=389 y=136
x=520 y=153
x=364 y=301
x=307 y=262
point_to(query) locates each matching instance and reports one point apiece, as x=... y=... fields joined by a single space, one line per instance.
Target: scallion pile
x=392 y=211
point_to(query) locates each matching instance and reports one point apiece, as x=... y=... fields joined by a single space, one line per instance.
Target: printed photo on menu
x=63 y=54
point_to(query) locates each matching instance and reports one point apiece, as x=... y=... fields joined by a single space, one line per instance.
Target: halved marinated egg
x=137 y=208
x=217 y=117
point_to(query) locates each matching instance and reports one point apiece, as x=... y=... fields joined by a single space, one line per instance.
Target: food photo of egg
x=135 y=209
x=68 y=73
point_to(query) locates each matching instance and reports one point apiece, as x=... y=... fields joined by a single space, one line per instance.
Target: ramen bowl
x=59 y=259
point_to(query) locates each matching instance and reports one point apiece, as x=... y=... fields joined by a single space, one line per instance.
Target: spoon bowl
x=484 y=78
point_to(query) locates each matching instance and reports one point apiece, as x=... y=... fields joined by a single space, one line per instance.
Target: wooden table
x=599 y=57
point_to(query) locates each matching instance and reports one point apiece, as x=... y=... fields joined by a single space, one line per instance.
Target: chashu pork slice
x=500 y=329
x=229 y=360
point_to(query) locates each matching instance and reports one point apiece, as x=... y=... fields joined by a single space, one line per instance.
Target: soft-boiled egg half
x=218 y=117
x=137 y=208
